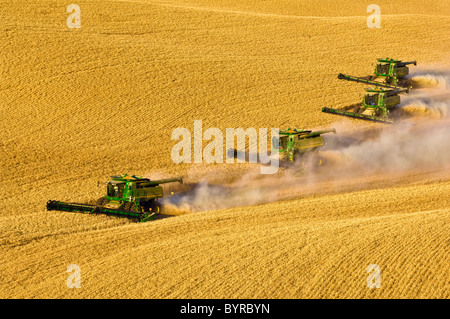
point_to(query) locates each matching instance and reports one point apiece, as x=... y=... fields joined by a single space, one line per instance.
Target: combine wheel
x=155 y=207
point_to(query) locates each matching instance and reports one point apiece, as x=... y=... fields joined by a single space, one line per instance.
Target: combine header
x=126 y=196
x=370 y=82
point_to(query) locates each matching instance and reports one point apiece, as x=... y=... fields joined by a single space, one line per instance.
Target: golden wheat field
x=81 y=104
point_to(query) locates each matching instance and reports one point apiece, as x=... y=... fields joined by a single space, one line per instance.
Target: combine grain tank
x=298 y=141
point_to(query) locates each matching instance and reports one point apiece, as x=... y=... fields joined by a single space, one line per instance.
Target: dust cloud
x=432 y=96
x=420 y=141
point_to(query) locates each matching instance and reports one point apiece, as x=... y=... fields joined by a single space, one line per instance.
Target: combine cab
x=126 y=196
x=298 y=141
x=376 y=105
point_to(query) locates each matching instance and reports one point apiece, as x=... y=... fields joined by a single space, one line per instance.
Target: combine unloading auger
x=126 y=196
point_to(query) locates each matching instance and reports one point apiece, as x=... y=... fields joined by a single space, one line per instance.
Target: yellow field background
x=79 y=105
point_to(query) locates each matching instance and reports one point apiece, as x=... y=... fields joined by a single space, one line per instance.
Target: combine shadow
x=246 y=156
x=163 y=216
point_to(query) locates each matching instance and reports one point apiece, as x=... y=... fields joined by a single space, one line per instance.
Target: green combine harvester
x=126 y=196
x=298 y=141
x=377 y=105
x=388 y=73
x=289 y=144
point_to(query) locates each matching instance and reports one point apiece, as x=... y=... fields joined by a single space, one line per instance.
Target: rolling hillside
x=79 y=105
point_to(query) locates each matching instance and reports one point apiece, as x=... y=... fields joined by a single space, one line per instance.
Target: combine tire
x=155 y=208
